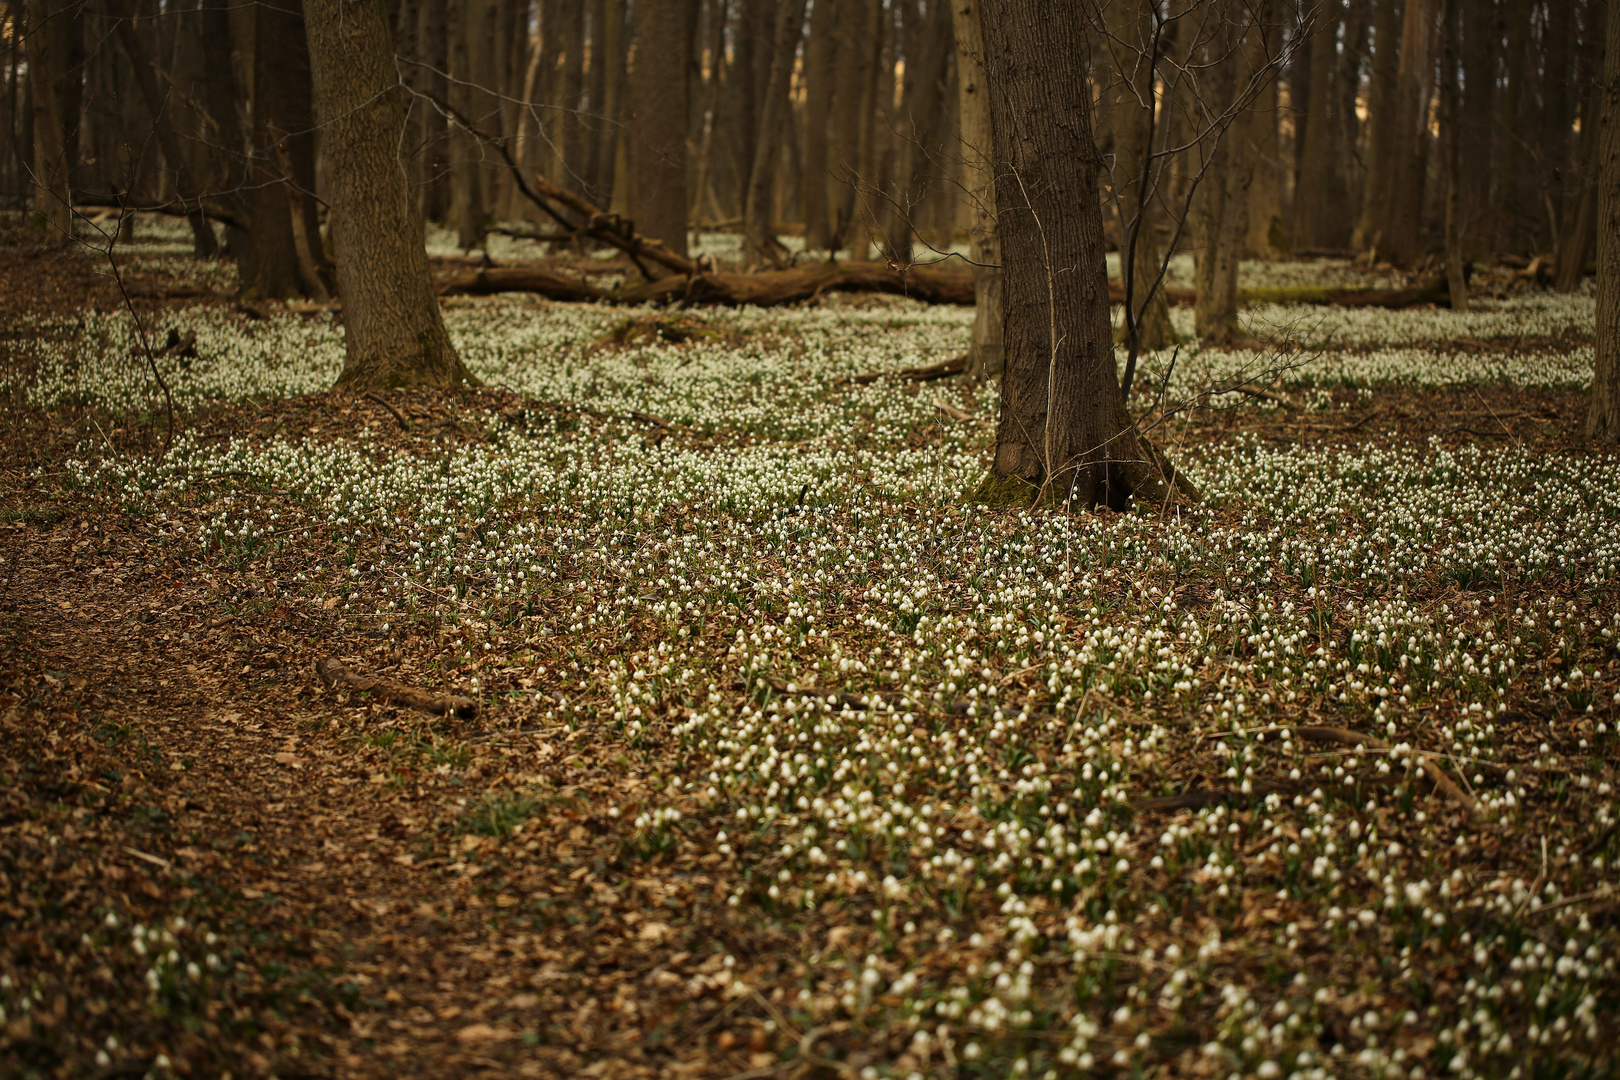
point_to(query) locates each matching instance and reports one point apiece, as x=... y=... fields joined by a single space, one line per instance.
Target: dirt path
x=168 y=758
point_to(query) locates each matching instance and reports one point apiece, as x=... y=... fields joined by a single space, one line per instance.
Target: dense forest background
x=1358 y=127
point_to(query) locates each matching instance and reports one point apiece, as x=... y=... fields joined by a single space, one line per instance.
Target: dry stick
x=1346 y=737
x=333 y=672
x=404 y=423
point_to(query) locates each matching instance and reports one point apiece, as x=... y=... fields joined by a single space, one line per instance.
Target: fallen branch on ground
x=334 y=673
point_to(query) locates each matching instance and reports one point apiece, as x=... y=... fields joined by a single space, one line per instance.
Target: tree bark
x=1318 y=219
x=979 y=187
x=1409 y=147
x=820 y=51
x=1259 y=128
x=1450 y=116
x=1479 y=54
x=393 y=332
x=855 y=53
x=1381 y=93
x=759 y=233
x=276 y=261
x=1220 y=205
x=1603 y=407
x=54 y=81
x=658 y=121
x=1063 y=425
x=1576 y=243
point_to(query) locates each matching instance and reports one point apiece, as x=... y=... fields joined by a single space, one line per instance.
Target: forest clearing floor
x=787 y=762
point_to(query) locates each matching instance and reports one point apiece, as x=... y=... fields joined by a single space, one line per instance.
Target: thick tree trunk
x=1063 y=425
x=53 y=80
x=979 y=187
x=1603 y=408
x=393 y=332
x=1259 y=128
x=658 y=121
x=819 y=89
x=469 y=66
x=1381 y=94
x=759 y=232
x=1450 y=116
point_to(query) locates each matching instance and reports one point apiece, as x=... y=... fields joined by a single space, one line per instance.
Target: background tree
x=658 y=114
x=1603 y=408
x=984 y=356
x=393 y=332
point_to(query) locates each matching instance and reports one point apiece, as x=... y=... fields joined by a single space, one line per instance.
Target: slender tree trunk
x=393 y=332
x=1220 y=206
x=1479 y=54
x=1409 y=149
x=1145 y=325
x=979 y=188
x=277 y=263
x=175 y=154
x=1063 y=424
x=758 y=230
x=819 y=90
x=1450 y=116
x=1318 y=191
x=658 y=121
x=1260 y=130
x=1381 y=123
x=853 y=55
x=1576 y=243
x=1603 y=407
x=52 y=78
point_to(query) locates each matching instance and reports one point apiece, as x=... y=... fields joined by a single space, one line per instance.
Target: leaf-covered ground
x=791 y=761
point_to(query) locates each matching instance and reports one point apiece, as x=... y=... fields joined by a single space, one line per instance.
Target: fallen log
x=334 y=673
x=488 y=281
x=777 y=287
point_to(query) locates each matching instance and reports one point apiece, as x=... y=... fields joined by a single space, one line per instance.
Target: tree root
x=334 y=673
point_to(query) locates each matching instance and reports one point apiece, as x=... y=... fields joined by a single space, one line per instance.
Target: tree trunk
x=1145 y=324
x=1220 y=205
x=759 y=233
x=984 y=357
x=276 y=263
x=1409 y=147
x=1369 y=231
x=204 y=243
x=658 y=121
x=1603 y=407
x=1063 y=425
x=393 y=332
x=53 y=79
x=819 y=89
x=1576 y=243
x=1479 y=54
x=1319 y=190
x=1259 y=128
x=1450 y=115
x=854 y=53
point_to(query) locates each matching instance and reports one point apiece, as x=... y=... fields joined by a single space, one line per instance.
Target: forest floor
x=787 y=760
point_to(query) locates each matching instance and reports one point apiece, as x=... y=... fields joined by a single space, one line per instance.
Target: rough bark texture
x=1145 y=326
x=979 y=187
x=658 y=121
x=393 y=332
x=1063 y=425
x=1603 y=409
x=1259 y=129
x=758 y=228
x=855 y=52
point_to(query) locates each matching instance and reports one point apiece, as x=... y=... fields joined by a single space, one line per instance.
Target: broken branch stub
x=334 y=673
